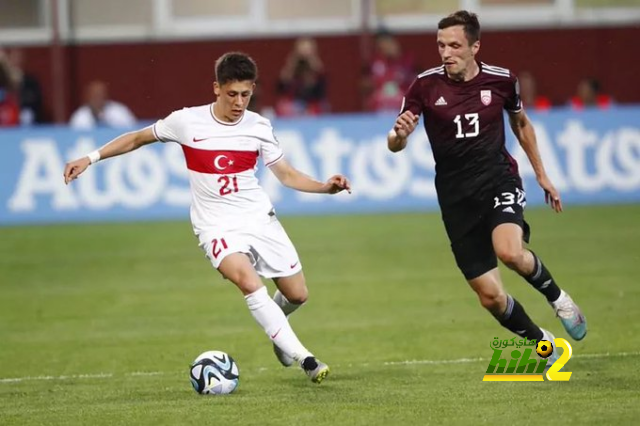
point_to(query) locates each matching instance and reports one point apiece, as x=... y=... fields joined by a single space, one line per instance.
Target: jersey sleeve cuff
x=155 y=133
x=271 y=163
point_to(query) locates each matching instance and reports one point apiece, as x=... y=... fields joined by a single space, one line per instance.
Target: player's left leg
x=505 y=308
x=474 y=255
x=508 y=245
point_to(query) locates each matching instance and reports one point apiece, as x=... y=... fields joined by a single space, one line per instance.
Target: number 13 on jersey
x=469 y=120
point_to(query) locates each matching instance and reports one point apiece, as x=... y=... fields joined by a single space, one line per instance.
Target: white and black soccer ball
x=214 y=373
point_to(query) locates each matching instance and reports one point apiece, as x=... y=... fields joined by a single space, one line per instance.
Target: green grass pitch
x=99 y=322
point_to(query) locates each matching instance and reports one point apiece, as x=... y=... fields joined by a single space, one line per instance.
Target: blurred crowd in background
x=20 y=93
x=301 y=88
x=85 y=64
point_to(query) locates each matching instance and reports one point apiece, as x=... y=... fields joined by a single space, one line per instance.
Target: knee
x=493 y=301
x=246 y=282
x=299 y=296
x=293 y=288
x=511 y=257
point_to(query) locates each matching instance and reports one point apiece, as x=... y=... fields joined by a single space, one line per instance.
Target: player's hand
x=337 y=183
x=405 y=124
x=73 y=169
x=551 y=194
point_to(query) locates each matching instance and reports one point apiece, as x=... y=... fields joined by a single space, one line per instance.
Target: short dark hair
x=235 y=66
x=467 y=19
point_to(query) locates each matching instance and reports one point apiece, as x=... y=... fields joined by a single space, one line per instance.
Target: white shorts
x=267 y=245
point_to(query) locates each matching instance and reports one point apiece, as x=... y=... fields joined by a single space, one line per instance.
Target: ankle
x=309 y=363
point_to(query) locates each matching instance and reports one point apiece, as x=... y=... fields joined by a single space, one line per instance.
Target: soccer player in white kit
x=231 y=214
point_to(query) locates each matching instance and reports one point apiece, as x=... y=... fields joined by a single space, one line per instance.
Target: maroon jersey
x=465 y=125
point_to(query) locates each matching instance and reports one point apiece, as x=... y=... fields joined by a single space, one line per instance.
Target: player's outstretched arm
x=118 y=146
x=291 y=177
x=523 y=129
x=405 y=125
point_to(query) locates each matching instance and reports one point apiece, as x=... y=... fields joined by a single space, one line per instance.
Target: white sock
x=546 y=335
x=287 y=307
x=560 y=298
x=273 y=321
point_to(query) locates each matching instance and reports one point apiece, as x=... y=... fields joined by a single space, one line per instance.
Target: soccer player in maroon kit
x=479 y=189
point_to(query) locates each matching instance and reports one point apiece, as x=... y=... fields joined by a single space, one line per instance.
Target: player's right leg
x=276 y=258
x=290 y=295
x=508 y=236
x=237 y=268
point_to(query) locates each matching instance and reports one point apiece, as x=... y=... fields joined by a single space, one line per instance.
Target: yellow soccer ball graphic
x=544 y=348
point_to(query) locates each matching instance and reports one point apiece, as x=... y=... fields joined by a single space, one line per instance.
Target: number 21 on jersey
x=469 y=120
x=229 y=185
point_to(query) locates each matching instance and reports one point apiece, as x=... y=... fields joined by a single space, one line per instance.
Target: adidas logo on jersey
x=440 y=101
x=508 y=210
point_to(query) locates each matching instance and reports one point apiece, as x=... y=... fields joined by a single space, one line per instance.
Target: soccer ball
x=214 y=373
x=544 y=348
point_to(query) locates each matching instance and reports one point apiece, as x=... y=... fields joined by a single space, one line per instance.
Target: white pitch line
x=145 y=373
x=68 y=377
x=436 y=362
x=389 y=363
x=472 y=360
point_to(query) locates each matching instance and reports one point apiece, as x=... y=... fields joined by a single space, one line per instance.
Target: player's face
x=455 y=51
x=232 y=99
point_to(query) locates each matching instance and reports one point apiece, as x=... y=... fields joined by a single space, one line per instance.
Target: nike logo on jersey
x=196 y=140
x=294 y=265
x=440 y=101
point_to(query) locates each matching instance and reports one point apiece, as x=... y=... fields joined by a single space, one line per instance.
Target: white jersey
x=222 y=159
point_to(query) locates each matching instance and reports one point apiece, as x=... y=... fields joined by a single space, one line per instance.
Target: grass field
x=98 y=324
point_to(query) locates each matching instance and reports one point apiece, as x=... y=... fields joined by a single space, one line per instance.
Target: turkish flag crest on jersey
x=485 y=97
x=219 y=162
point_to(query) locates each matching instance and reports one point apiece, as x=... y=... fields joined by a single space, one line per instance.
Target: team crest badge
x=485 y=97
